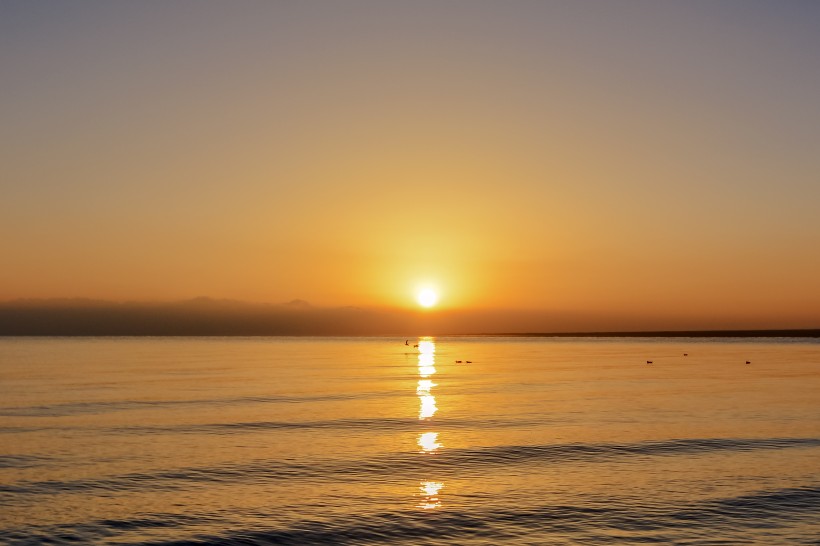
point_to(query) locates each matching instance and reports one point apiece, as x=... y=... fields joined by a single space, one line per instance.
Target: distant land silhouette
x=212 y=317
x=805 y=332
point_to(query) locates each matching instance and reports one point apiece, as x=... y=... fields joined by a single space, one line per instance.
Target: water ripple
x=468 y=461
x=22 y=461
x=380 y=424
x=81 y=408
x=598 y=521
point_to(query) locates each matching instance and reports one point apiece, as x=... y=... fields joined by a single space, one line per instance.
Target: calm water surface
x=368 y=441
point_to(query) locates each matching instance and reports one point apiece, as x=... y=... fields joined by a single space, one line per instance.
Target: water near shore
x=368 y=441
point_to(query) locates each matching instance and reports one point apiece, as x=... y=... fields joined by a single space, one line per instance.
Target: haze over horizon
x=547 y=166
x=206 y=316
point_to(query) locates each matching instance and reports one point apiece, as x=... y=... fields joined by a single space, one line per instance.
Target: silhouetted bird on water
x=748 y=362
x=685 y=354
x=405 y=342
x=649 y=362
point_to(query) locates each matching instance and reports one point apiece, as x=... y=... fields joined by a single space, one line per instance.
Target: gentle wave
x=600 y=520
x=767 y=510
x=469 y=461
x=380 y=424
x=22 y=461
x=93 y=531
x=80 y=408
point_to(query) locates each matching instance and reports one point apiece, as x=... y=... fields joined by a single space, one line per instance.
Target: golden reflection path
x=428 y=442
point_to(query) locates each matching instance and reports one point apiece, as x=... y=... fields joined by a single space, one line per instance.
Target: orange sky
x=624 y=159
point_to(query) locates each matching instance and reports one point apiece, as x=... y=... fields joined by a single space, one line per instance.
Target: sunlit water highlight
x=201 y=441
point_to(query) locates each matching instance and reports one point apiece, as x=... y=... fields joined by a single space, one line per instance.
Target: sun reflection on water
x=427 y=441
x=427 y=346
x=427 y=363
x=424 y=386
x=428 y=406
x=429 y=495
x=426 y=371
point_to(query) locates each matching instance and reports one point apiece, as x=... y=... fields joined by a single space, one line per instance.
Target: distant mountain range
x=198 y=316
x=218 y=317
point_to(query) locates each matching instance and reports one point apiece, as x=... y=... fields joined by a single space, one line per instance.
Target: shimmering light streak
x=424 y=386
x=428 y=441
x=428 y=406
x=429 y=492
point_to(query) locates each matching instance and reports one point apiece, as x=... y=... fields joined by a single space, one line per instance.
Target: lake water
x=368 y=441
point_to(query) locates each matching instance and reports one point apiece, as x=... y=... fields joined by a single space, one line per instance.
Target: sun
x=427 y=297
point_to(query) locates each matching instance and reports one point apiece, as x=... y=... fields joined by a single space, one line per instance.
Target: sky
x=628 y=164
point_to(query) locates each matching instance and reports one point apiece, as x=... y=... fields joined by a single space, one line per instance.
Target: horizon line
x=750 y=333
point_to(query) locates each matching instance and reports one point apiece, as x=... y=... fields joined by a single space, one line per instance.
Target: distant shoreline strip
x=673 y=333
x=802 y=333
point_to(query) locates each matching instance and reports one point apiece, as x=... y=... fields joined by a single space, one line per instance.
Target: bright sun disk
x=427 y=297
